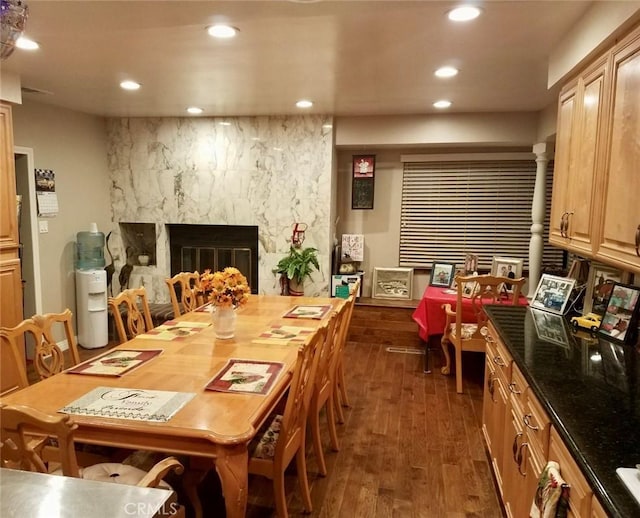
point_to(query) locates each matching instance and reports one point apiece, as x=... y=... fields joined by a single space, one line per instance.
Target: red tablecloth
x=430 y=316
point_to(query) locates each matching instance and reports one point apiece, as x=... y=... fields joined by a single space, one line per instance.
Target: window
x=450 y=208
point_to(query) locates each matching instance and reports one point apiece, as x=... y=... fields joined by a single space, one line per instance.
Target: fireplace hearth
x=214 y=247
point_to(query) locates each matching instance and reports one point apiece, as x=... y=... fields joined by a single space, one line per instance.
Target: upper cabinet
x=619 y=239
x=595 y=208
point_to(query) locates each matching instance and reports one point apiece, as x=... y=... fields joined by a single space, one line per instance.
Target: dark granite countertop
x=590 y=389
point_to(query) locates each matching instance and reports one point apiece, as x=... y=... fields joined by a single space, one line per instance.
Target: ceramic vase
x=224 y=322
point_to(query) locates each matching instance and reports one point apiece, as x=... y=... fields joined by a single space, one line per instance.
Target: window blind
x=481 y=207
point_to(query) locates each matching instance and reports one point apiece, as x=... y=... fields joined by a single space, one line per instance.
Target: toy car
x=589 y=321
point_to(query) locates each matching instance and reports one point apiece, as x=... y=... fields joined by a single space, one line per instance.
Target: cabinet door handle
x=638 y=241
x=490 y=386
x=514 y=390
x=525 y=420
x=563 y=224
x=521 y=457
x=515 y=447
x=498 y=361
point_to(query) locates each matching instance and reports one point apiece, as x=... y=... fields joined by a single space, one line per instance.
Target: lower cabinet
x=521 y=439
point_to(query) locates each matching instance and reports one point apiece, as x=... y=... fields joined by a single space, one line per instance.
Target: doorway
x=28 y=232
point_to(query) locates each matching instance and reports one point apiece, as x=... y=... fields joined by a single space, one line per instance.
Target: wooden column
x=536 y=244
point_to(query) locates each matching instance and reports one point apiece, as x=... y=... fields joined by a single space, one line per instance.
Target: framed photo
x=599 y=285
x=363 y=181
x=618 y=322
x=442 y=274
x=506 y=267
x=392 y=283
x=470 y=288
x=553 y=293
x=470 y=263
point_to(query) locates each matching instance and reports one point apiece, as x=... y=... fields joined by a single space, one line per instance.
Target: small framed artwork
x=506 y=267
x=470 y=288
x=553 y=293
x=618 y=322
x=363 y=181
x=599 y=285
x=470 y=264
x=442 y=274
x=392 y=283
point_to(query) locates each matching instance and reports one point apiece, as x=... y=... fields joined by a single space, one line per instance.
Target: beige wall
x=74 y=146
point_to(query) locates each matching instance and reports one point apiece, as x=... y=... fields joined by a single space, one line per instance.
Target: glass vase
x=224 y=322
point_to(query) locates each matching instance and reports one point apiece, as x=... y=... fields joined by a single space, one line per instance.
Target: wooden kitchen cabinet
x=580 y=119
x=619 y=241
x=594 y=210
x=10 y=273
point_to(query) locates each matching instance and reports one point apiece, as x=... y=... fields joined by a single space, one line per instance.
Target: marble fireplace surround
x=269 y=172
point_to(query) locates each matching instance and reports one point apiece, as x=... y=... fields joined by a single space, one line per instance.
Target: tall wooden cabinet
x=10 y=275
x=595 y=211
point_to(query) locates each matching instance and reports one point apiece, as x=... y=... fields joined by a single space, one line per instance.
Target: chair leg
x=342 y=385
x=314 y=422
x=279 y=494
x=447 y=359
x=301 y=464
x=336 y=404
x=459 y=370
x=190 y=483
x=331 y=421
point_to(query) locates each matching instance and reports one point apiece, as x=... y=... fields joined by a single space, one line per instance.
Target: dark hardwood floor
x=410 y=446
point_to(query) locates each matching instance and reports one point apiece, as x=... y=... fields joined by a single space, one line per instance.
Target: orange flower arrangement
x=228 y=288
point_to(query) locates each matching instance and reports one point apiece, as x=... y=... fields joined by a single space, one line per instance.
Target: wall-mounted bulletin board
x=363 y=178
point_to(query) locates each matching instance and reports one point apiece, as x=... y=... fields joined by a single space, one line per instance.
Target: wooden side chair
x=273 y=449
x=325 y=385
x=476 y=291
x=131 y=306
x=340 y=392
x=16 y=450
x=184 y=289
x=49 y=358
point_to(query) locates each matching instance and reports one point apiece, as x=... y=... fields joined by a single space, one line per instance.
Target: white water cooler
x=91 y=308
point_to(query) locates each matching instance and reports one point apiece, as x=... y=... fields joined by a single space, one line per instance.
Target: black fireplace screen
x=214 y=247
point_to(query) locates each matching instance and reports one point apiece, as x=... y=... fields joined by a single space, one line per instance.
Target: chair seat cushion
x=264 y=446
x=467 y=330
x=115 y=473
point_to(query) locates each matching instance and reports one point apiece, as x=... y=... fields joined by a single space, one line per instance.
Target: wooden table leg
x=232 y=466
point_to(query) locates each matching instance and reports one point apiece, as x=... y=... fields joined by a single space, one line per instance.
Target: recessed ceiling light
x=442 y=104
x=25 y=43
x=327 y=126
x=464 y=13
x=224 y=123
x=222 y=31
x=446 y=72
x=129 y=85
x=194 y=110
x=303 y=103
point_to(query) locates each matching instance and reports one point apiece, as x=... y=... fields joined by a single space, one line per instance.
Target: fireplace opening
x=215 y=247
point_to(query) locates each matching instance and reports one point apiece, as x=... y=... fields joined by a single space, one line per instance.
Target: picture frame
x=620 y=316
x=442 y=274
x=553 y=293
x=599 y=284
x=470 y=288
x=363 y=181
x=392 y=283
x=506 y=267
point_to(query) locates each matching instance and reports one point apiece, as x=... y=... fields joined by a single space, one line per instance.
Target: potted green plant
x=295 y=267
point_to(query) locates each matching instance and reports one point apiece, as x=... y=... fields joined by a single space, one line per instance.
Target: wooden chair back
x=340 y=392
x=132 y=304
x=294 y=419
x=49 y=358
x=12 y=342
x=184 y=289
x=17 y=426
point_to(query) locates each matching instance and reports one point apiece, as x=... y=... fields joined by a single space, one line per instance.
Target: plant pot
x=224 y=322
x=296 y=289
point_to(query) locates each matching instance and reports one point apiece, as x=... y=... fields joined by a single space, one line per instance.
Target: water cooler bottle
x=91 y=290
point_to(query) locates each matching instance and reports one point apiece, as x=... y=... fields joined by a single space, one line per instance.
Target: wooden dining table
x=212 y=425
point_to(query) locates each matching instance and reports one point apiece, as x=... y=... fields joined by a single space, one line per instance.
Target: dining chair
x=48 y=357
x=184 y=289
x=340 y=392
x=132 y=305
x=283 y=438
x=18 y=422
x=325 y=385
x=475 y=291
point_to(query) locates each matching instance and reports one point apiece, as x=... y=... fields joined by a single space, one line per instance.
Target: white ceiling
x=349 y=57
